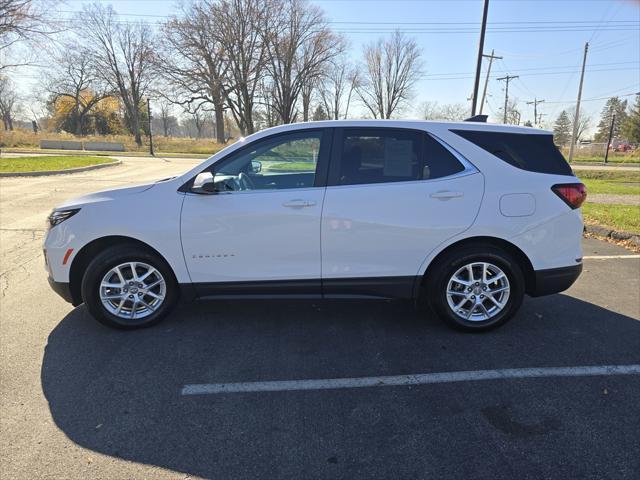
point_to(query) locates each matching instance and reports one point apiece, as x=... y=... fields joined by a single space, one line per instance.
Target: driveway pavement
x=81 y=401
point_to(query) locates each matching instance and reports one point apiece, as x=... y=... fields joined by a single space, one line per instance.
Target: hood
x=104 y=196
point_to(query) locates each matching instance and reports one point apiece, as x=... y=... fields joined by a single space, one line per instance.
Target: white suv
x=469 y=216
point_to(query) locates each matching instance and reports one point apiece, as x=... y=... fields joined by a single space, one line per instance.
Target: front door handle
x=446 y=195
x=298 y=203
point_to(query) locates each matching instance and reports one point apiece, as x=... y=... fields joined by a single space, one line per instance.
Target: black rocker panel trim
x=372 y=287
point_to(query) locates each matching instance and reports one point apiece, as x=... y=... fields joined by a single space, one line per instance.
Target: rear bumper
x=554 y=280
x=62 y=289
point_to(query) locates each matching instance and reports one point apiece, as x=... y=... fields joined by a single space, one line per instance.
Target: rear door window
x=377 y=155
x=531 y=152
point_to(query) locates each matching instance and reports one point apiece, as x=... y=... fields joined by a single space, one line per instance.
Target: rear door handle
x=298 y=203
x=446 y=195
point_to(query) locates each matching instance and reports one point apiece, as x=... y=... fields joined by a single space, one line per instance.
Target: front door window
x=281 y=162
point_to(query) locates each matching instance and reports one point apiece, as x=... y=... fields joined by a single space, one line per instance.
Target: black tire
x=111 y=258
x=445 y=267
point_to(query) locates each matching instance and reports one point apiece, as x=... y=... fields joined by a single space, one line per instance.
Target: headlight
x=59 y=216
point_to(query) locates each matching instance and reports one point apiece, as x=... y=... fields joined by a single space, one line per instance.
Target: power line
x=537 y=74
x=363 y=22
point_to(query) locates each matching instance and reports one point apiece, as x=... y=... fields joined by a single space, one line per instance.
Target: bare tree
x=194 y=61
x=449 y=111
x=239 y=27
x=392 y=67
x=121 y=54
x=8 y=102
x=513 y=114
x=72 y=77
x=168 y=122
x=337 y=82
x=22 y=21
x=267 y=116
x=198 y=121
x=300 y=43
x=306 y=94
x=584 y=123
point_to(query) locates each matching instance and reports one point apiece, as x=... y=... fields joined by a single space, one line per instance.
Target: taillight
x=573 y=194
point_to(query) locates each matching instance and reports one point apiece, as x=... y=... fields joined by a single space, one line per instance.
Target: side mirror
x=256 y=166
x=204 y=184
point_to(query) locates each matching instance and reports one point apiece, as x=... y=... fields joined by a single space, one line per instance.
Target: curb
x=60 y=172
x=632 y=238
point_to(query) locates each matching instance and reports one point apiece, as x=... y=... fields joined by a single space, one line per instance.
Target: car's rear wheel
x=129 y=287
x=476 y=288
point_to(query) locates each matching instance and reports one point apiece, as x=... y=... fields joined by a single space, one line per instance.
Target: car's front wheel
x=128 y=287
x=476 y=288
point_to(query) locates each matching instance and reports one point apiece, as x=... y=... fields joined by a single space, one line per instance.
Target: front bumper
x=554 y=280
x=62 y=289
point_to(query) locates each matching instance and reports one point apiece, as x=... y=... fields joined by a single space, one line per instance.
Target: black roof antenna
x=477 y=118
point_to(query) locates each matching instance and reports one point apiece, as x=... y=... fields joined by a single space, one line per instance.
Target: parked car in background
x=469 y=216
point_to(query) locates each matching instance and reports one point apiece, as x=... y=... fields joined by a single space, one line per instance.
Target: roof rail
x=477 y=118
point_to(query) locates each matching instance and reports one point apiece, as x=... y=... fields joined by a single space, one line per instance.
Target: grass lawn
x=612 y=159
x=618 y=217
x=36 y=164
x=627 y=176
x=292 y=166
x=612 y=186
x=26 y=139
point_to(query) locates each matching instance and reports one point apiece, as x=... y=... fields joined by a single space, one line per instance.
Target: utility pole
x=606 y=148
x=507 y=78
x=535 y=109
x=486 y=80
x=150 y=134
x=576 y=117
x=476 y=83
x=540 y=115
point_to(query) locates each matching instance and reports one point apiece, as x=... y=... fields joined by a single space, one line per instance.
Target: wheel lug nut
x=130 y=283
x=481 y=296
x=130 y=296
x=139 y=294
x=473 y=297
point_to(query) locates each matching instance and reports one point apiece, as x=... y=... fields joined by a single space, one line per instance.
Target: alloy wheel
x=478 y=291
x=132 y=290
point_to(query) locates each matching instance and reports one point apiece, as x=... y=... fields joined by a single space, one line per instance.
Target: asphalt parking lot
x=81 y=401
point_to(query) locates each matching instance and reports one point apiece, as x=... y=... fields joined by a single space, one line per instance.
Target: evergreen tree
x=319 y=114
x=562 y=129
x=630 y=129
x=614 y=106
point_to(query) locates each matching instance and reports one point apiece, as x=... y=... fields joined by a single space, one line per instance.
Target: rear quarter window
x=531 y=152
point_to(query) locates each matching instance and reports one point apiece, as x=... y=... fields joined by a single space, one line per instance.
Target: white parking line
x=419 y=379
x=607 y=257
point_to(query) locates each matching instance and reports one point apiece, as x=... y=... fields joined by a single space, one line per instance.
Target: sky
x=542 y=41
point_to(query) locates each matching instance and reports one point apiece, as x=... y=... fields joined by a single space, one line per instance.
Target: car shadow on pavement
x=119 y=393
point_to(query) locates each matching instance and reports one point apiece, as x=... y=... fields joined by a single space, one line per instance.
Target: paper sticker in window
x=398 y=158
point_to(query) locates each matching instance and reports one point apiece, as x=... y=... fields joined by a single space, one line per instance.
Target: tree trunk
x=306 y=100
x=219 y=114
x=79 y=125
